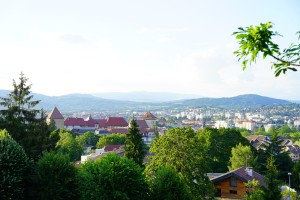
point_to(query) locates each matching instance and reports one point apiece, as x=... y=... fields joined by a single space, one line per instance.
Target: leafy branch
x=256 y=40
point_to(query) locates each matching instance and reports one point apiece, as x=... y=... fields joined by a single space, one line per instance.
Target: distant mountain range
x=92 y=103
x=142 y=96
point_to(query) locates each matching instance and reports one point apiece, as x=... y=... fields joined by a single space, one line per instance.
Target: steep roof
x=55 y=114
x=143 y=126
x=149 y=115
x=142 y=123
x=241 y=174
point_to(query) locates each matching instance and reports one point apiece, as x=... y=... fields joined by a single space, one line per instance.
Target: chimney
x=249 y=171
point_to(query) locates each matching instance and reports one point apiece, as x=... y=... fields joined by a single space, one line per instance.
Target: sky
x=94 y=46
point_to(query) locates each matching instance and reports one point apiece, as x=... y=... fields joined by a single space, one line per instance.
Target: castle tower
x=57 y=117
x=150 y=119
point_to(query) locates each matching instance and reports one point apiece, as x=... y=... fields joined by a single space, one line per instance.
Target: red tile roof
x=90 y=122
x=55 y=114
x=71 y=121
x=101 y=122
x=142 y=124
x=112 y=147
x=116 y=122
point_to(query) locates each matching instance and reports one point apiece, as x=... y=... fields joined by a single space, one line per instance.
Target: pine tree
x=283 y=161
x=135 y=148
x=273 y=191
x=19 y=117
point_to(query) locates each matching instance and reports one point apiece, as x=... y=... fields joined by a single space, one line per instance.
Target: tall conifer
x=19 y=117
x=135 y=148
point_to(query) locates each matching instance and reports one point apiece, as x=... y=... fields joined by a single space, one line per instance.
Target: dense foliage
x=255 y=191
x=67 y=144
x=273 y=191
x=111 y=139
x=88 y=138
x=282 y=160
x=14 y=168
x=180 y=149
x=112 y=177
x=295 y=178
x=219 y=143
x=167 y=184
x=241 y=156
x=56 y=177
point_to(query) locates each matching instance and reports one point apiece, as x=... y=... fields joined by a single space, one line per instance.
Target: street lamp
x=289 y=184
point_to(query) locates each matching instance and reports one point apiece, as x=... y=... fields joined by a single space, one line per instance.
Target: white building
x=220 y=124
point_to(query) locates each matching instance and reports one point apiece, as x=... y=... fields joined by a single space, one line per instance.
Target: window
x=233 y=192
x=233 y=182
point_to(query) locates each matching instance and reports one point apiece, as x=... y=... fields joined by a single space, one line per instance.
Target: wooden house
x=231 y=184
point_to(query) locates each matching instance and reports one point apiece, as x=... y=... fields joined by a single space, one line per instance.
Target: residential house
x=232 y=184
x=294 y=152
x=259 y=141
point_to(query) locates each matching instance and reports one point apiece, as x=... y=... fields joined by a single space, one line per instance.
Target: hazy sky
x=69 y=46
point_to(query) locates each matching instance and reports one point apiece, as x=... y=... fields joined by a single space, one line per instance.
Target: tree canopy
x=180 y=149
x=256 y=40
x=112 y=177
x=241 y=156
x=114 y=138
x=67 y=144
x=219 y=143
x=56 y=177
x=88 y=138
x=14 y=165
x=167 y=184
